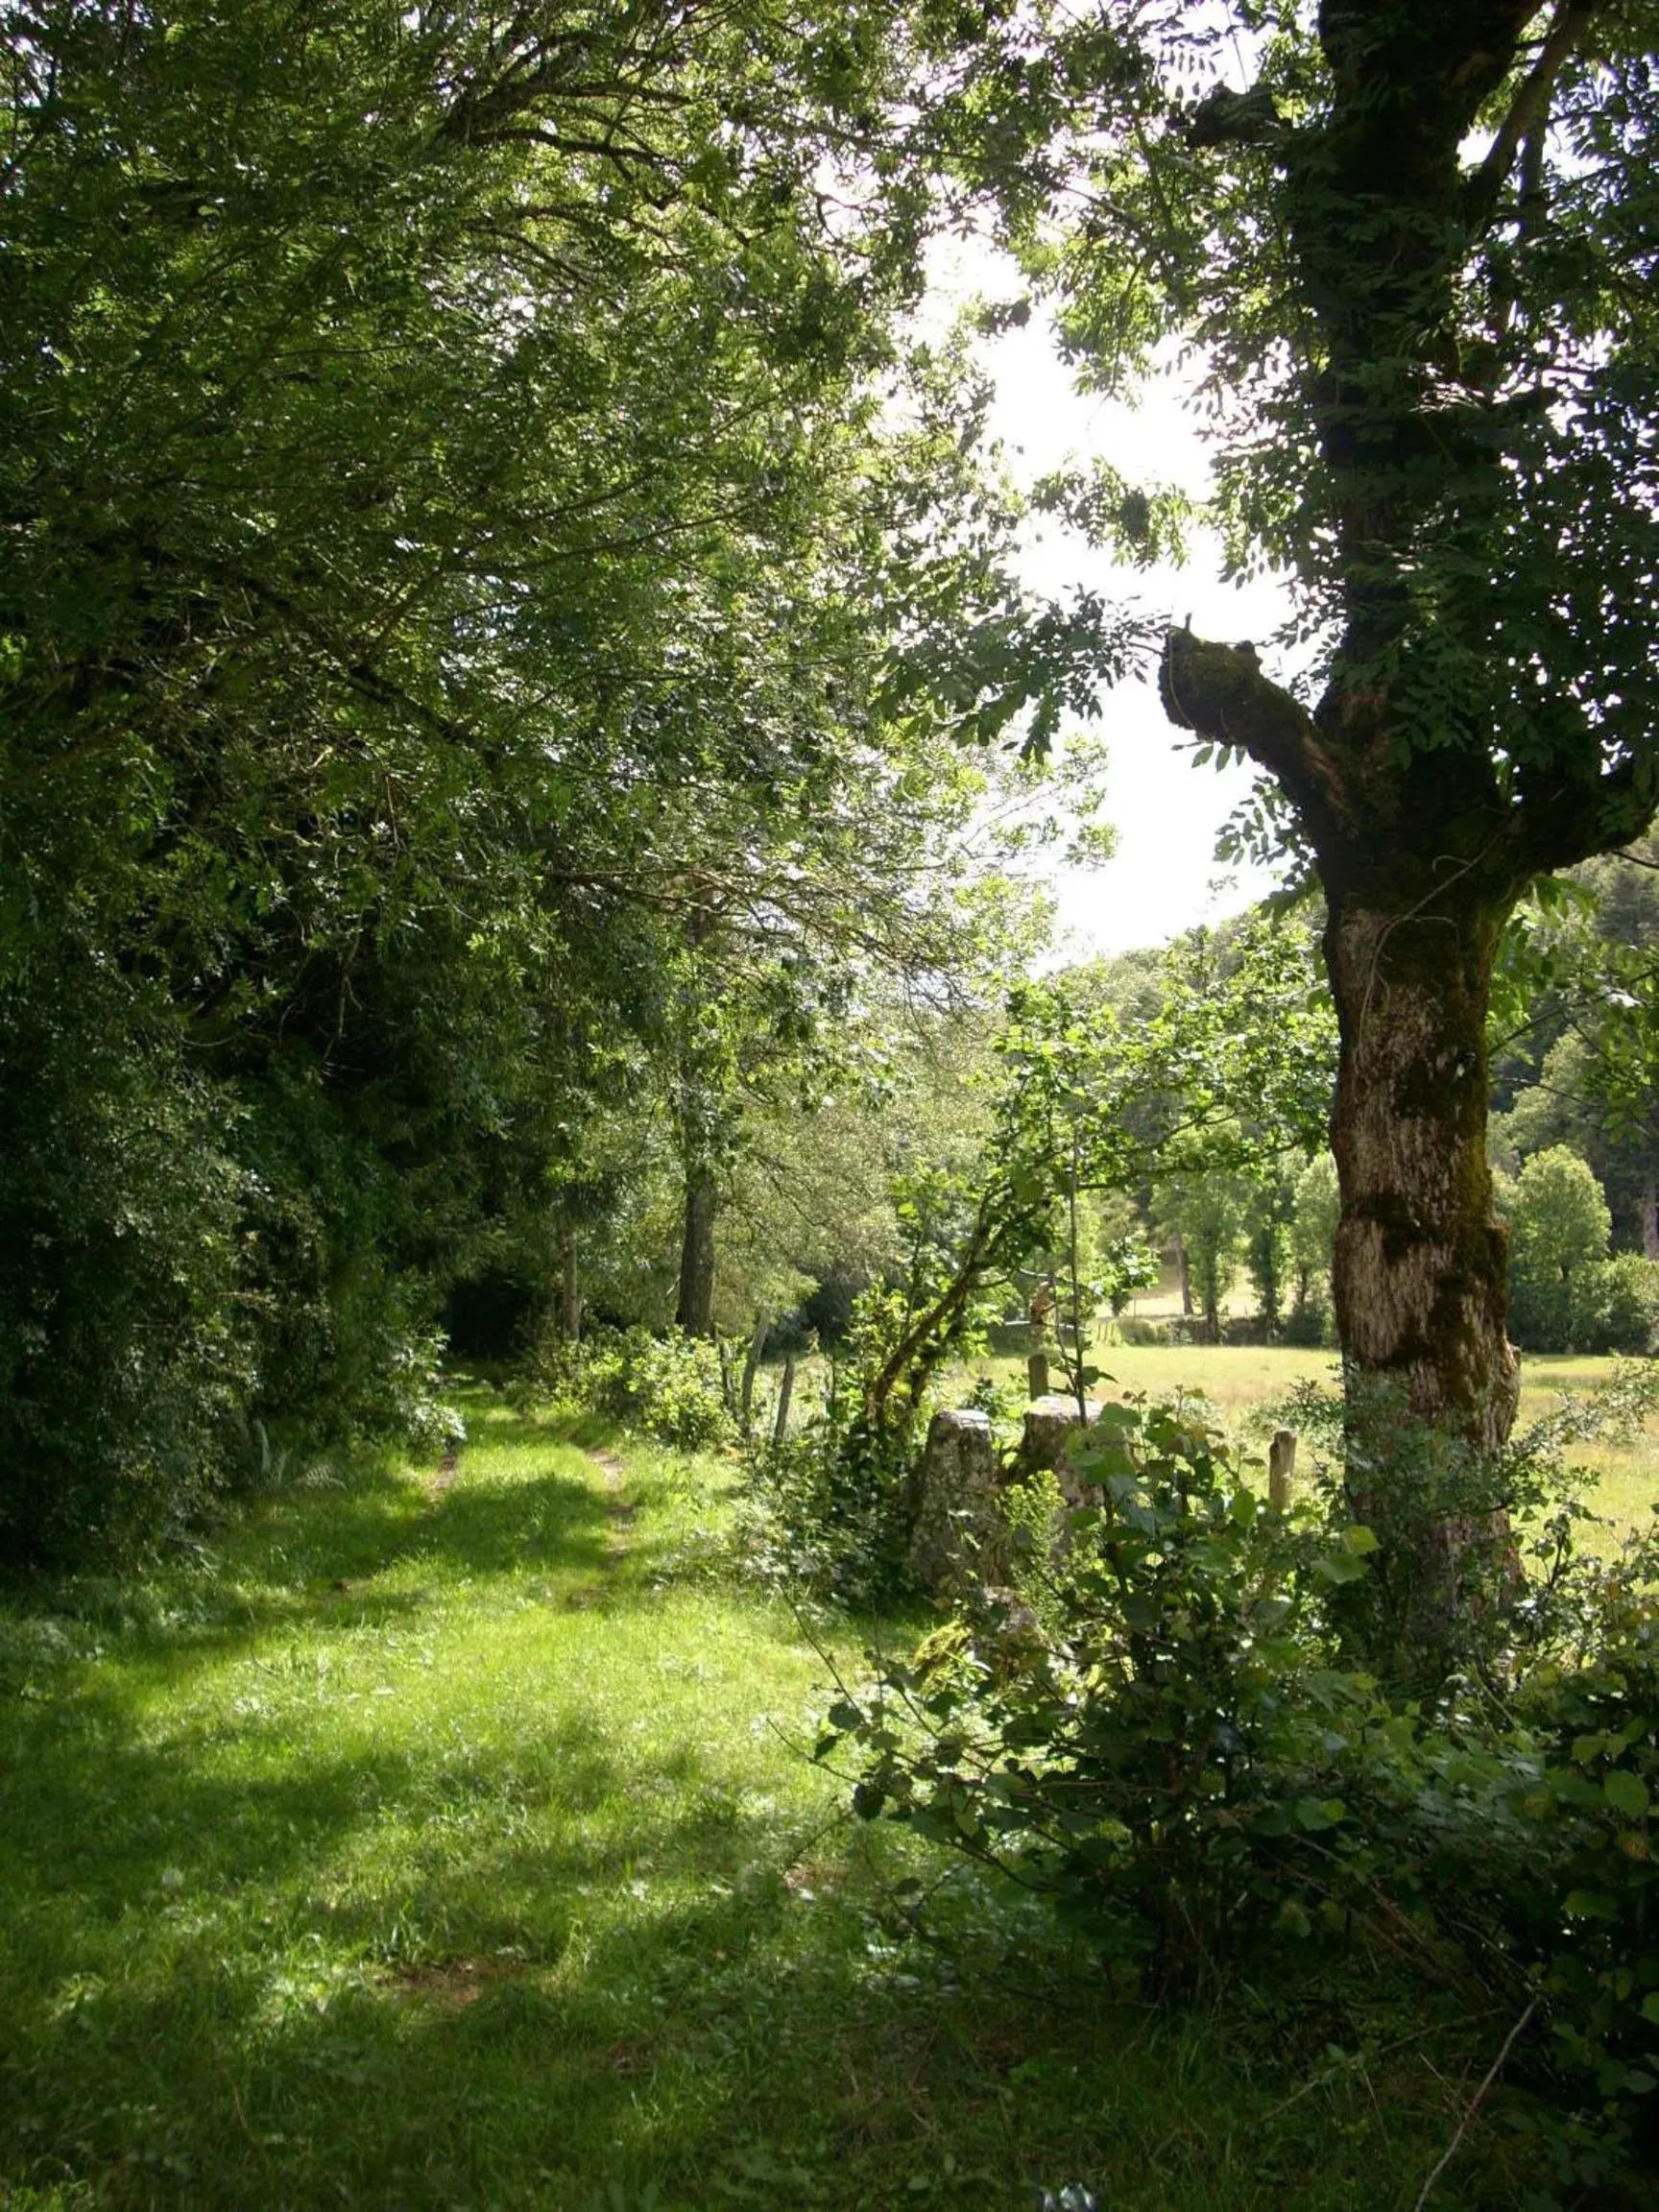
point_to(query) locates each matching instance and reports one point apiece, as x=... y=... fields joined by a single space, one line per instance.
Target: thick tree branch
x=1221 y=692
x=1530 y=107
x=1559 y=828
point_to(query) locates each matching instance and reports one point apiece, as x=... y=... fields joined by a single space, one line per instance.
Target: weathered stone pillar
x=957 y=1531
x=1280 y=1467
x=1050 y=1424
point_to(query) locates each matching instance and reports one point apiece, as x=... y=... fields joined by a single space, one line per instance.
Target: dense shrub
x=1616 y=1305
x=199 y=1282
x=1181 y=1717
x=670 y=1386
x=830 y=1509
x=1309 y=1323
x=1182 y=1746
x=126 y=1359
x=1565 y=1293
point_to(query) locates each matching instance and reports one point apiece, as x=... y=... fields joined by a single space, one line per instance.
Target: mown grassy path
x=436 y=1842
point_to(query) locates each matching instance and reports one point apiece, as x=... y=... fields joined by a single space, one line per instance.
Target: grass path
x=436 y=1842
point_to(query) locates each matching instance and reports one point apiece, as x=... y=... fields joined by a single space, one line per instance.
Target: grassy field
x=444 y=1840
x=1240 y=1381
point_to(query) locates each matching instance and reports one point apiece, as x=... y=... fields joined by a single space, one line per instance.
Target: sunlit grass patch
x=1241 y=1381
x=435 y=1846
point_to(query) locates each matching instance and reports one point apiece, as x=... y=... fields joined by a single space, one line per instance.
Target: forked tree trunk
x=1419 y=1277
x=695 y=1312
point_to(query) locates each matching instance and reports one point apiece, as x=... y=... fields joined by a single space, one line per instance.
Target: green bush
x=194 y=1289
x=1160 y=1752
x=1310 y=1324
x=668 y=1387
x=125 y=1356
x=1590 y=1800
x=830 y=1508
x=1179 y=1744
x=1616 y=1305
x=1559 y=1228
x=347 y=1342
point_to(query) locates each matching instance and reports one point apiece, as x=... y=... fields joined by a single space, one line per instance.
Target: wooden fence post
x=1280 y=1467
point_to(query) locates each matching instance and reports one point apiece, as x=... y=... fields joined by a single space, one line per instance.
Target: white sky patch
x=1168 y=812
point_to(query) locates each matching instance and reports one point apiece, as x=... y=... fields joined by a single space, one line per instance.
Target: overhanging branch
x=1220 y=691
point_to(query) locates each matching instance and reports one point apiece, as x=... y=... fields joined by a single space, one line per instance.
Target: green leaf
x=1317 y=1813
x=1590 y=1904
x=1626 y=1793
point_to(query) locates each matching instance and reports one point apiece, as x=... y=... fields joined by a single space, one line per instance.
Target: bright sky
x=1164 y=876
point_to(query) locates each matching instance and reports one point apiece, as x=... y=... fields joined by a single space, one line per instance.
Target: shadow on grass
x=749 y=2032
x=339 y=1554
x=546 y=1970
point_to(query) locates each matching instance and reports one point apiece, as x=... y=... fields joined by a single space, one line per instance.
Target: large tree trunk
x=1420 y=1271
x=695 y=1313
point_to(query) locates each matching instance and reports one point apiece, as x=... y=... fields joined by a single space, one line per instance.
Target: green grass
x=1240 y=1380
x=452 y=1847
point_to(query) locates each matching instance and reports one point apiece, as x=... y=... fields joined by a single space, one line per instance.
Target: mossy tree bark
x=695 y=1311
x=1427 y=815
x=1420 y=858
x=1419 y=1270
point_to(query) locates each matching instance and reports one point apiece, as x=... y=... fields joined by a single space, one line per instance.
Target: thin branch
x=1531 y=104
x=1474 y=2105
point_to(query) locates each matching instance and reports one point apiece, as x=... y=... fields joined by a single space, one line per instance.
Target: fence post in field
x=1280 y=1467
x=751 y=1362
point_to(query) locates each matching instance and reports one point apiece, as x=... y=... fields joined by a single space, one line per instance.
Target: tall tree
x=435 y=462
x=1416 y=240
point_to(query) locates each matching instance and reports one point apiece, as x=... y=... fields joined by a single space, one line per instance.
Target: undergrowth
x=446 y=1839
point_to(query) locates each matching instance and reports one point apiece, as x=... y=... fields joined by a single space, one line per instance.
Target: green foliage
x=667 y=1386
x=1590 y=1801
x=474 y=536
x=1616 y=1305
x=830 y=1505
x=1565 y=1294
x=1269 y=1207
x=1312 y=1237
x=1207 y=1212
x=1179 y=1746
x=1155 y=1754
x=128 y=1352
x=1226 y=1069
